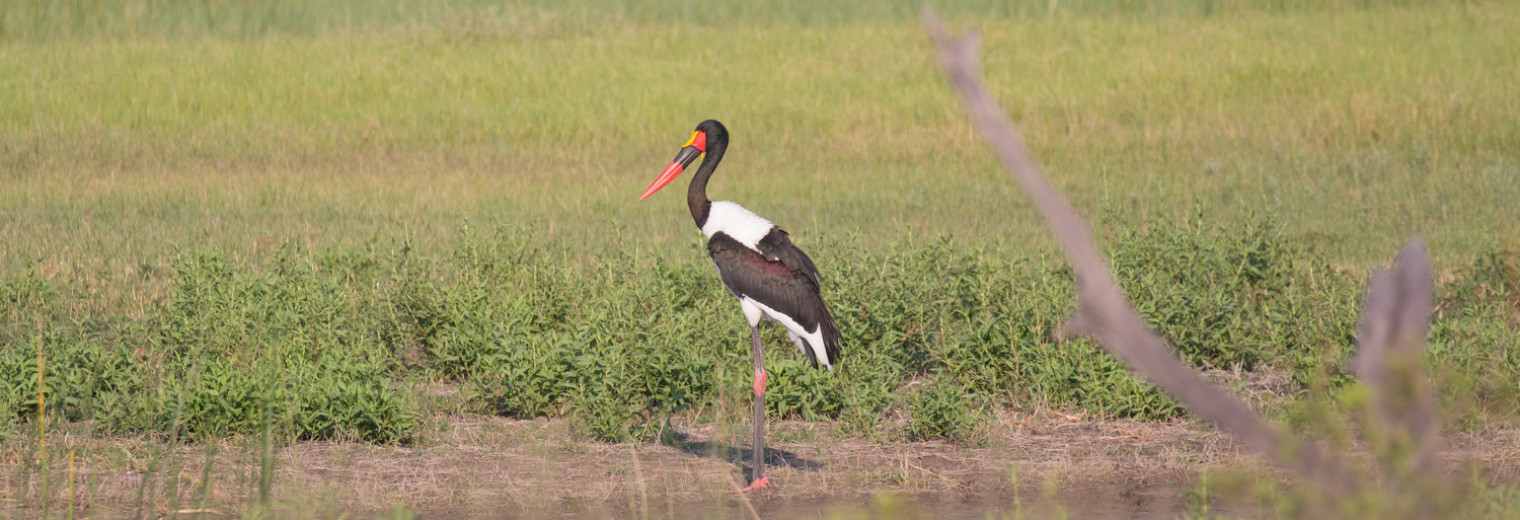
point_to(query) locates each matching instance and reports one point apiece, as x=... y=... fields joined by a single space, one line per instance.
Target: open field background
x=364 y=221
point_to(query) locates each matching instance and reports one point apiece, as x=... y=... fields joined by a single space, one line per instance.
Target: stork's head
x=694 y=148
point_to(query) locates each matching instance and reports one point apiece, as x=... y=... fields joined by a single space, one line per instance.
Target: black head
x=710 y=136
x=713 y=130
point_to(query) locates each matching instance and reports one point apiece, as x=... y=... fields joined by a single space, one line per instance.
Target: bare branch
x=1390 y=354
x=1396 y=317
x=1103 y=311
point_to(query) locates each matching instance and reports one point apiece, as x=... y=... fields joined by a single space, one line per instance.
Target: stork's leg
x=759 y=480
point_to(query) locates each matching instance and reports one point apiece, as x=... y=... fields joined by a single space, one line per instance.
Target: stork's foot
x=758 y=484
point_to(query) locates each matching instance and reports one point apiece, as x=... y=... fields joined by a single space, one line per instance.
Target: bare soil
x=489 y=467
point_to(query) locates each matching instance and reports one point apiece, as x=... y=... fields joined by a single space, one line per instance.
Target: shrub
x=1477 y=314
x=83 y=374
x=942 y=409
x=1223 y=297
x=320 y=344
x=235 y=349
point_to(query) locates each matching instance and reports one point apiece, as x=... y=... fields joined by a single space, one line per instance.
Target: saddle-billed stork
x=771 y=277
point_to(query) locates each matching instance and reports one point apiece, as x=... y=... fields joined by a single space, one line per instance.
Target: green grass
x=1360 y=127
x=221 y=217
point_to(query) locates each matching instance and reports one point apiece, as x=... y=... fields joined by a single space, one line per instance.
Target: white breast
x=735 y=221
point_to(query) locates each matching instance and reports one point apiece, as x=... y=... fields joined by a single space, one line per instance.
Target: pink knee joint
x=759 y=382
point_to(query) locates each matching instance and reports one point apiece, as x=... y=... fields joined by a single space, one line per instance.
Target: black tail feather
x=830 y=337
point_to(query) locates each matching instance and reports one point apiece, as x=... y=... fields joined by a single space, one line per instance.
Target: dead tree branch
x=1103 y=311
x=1390 y=356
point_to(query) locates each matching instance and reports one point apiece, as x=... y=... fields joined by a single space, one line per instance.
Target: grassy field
x=1359 y=127
x=232 y=219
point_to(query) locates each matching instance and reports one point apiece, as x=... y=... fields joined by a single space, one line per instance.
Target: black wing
x=780 y=276
x=777 y=247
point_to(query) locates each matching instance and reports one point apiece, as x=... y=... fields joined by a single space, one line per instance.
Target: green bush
x=323 y=344
x=1473 y=339
x=942 y=409
x=83 y=375
x=1227 y=297
x=290 y=345
x=800 y=390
